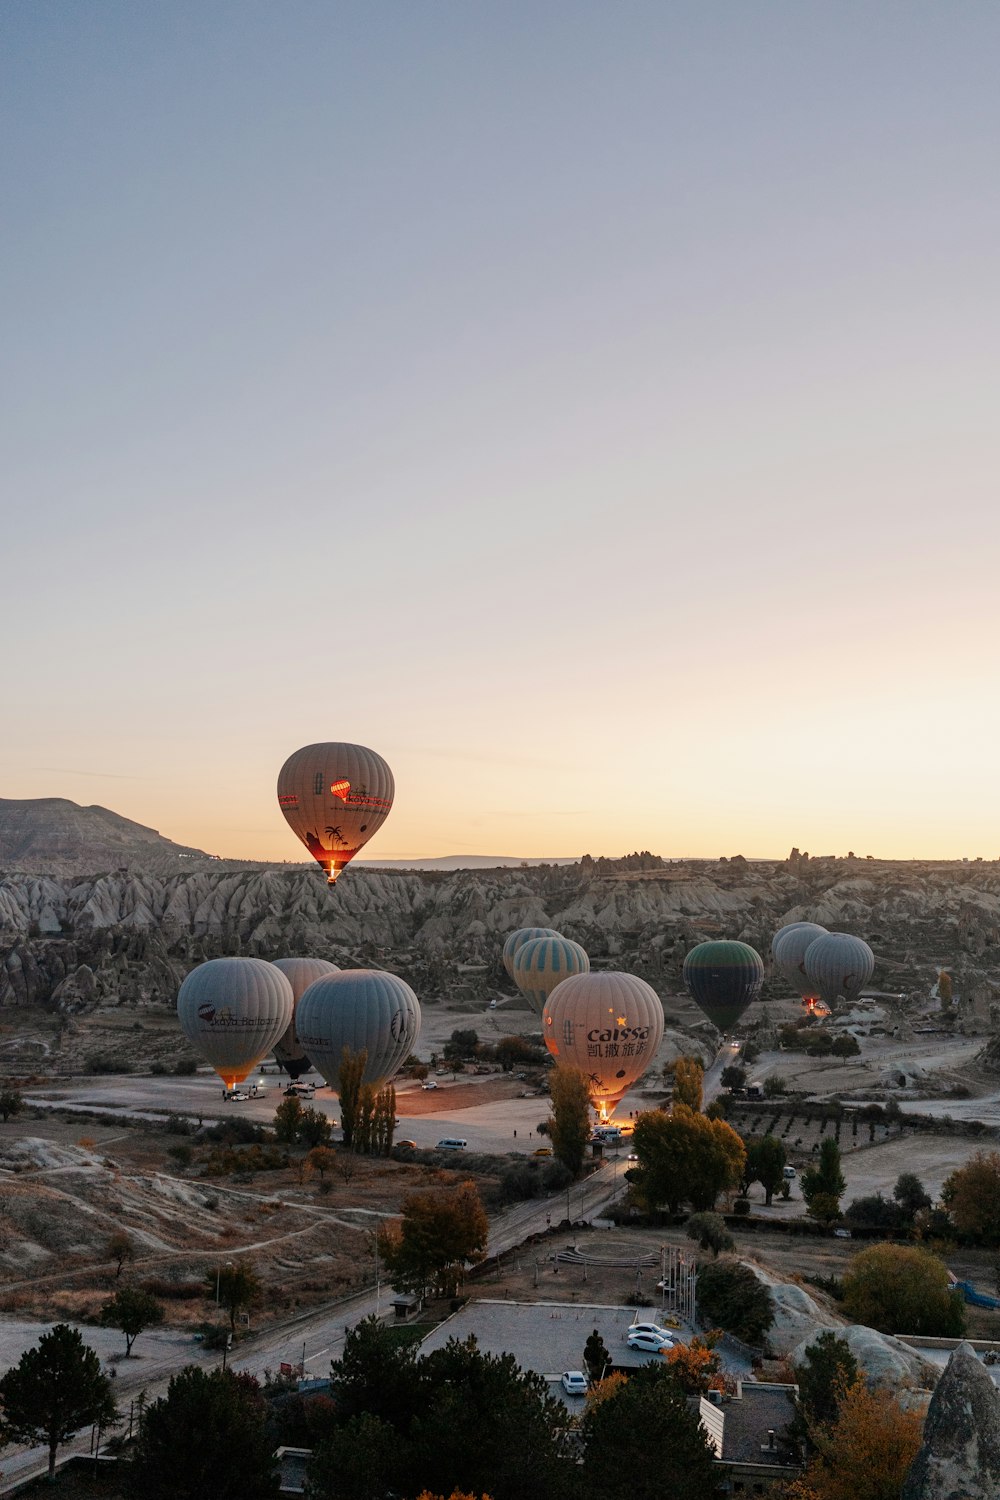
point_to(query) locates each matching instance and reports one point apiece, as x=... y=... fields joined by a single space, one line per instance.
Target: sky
x=590 y=407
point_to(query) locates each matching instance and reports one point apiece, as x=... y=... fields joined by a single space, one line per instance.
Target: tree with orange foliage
x=694 y=1365
x=688 y=1075
x=866 y=1453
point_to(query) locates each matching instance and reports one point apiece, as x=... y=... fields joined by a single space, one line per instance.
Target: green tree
x=352 y=1070
x=206 y=1439
x=120 y=1249
x=569 y=1124
x=824 y=1181
x=733 y=1076
x=766 y=1159
x=366 y=1458
x=384 y=1120
x=972 y=1197
x=133 y=1311
x=899 y=1289
x=731 y=1297
x=238 y=1287
x=911 y=1195
x=55 y=1388
x=463 y=1046
x=845 y=1046
x=514 y=1052
x=313 y=1128
x=11 y=1102
x=321 y=1160
x=688 y=1076
x=439 y=1232
x=827 y=1369
x=378 y=1375
x=774 y=1086
x=595 y=1356
x=710 y=1232
x=286 y=1120
x=653 y=1403
x=685 y=1157
x=824 y=1207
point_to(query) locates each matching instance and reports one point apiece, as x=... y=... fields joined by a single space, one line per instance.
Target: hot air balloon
x=361 y=1009
x=300 y=973
x=609 y=1025
x=542 y=963
x=233 y=1010
x=724 y=978
x=838 y=964
x=789 y=950
x=516 y=940
x=334 y=797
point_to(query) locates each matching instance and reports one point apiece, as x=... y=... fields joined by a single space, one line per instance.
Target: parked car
x=452 y=1143
x=574 y=1382
x=652 y=1343
x=543 y=1151
x=233 y=1096
x=406 y=1145
x=790 y=1174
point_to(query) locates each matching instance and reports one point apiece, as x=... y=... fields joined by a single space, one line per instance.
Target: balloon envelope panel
x=839 y=964
x=724 y=978
x=544 y=962
x=300 y=973
x=517 y=940
x=789 y=949
x=334 y=797
x=610 y=1025
x=361 y=1009
x=233 y=1010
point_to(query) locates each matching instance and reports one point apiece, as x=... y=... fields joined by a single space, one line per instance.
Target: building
x=749 y=1435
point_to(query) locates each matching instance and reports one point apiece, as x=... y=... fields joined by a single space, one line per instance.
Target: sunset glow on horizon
x=591 y=411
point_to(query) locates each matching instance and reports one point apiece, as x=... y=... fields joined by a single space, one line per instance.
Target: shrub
x=730 y=1297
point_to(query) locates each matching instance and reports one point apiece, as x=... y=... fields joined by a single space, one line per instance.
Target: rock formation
x=960 y=1455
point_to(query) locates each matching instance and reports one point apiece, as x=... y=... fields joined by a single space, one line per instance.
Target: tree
x=899 y=1289
x=364 y=1459
x=824 y=1207
x=766 y=1158
x=972 y=1197
x=569 y=1124
x=206 y=1437
x=120 y=1249
x=133 y=1311
x=731 y=1297
x=55 y=1388
x=286 y=1120
x=733 y=1076
x=774 y=1086
x=321 y=1159
x=688 y=1075
x=866 y=1453
x=945 y=989
x=438 y=1233
x=238 y=1287
x=653 y=1403
x=845 y=1046
x=463 y=1045
x=824 y=1181
x=376 y=1374
x=710 y=1232
x=685 y=1157
x=876 y=1211
x=596 y=1356
x=384 y=1120
x=827 y=1369
x=352 y=1068
x=313 y=1128
x=11 y=1102
x=694 y=1365
x=911 y=1195
x=513 y=1052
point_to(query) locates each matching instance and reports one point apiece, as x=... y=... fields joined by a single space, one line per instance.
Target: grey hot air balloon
x=300 y=973
x=233 y=1010
x=839 y=964
x=516 y=940
x=789 y=951
x=363 y=1010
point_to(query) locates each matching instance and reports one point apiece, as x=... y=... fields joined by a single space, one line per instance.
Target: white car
x=429 y=1084
x=650 y=1338
x=574 y=1382
x=236 y=1095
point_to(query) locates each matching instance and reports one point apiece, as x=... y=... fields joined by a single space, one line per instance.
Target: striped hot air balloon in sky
x=724 y=978
x=516 y=940
x=334 y=797
x=542 y=963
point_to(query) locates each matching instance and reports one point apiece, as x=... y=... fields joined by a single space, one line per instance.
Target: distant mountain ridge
x=54 y=836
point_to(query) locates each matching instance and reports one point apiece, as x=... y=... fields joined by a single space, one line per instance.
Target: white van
x=452 y=1143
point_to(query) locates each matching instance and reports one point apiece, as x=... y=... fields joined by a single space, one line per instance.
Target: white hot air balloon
x=610 y=1026
x=789 y=950
x=837 y=963
x=233 y=1010
x=363 y=1010
x=300 y=973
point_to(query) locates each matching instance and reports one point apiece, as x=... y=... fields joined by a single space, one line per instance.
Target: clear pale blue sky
x=590 y=407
